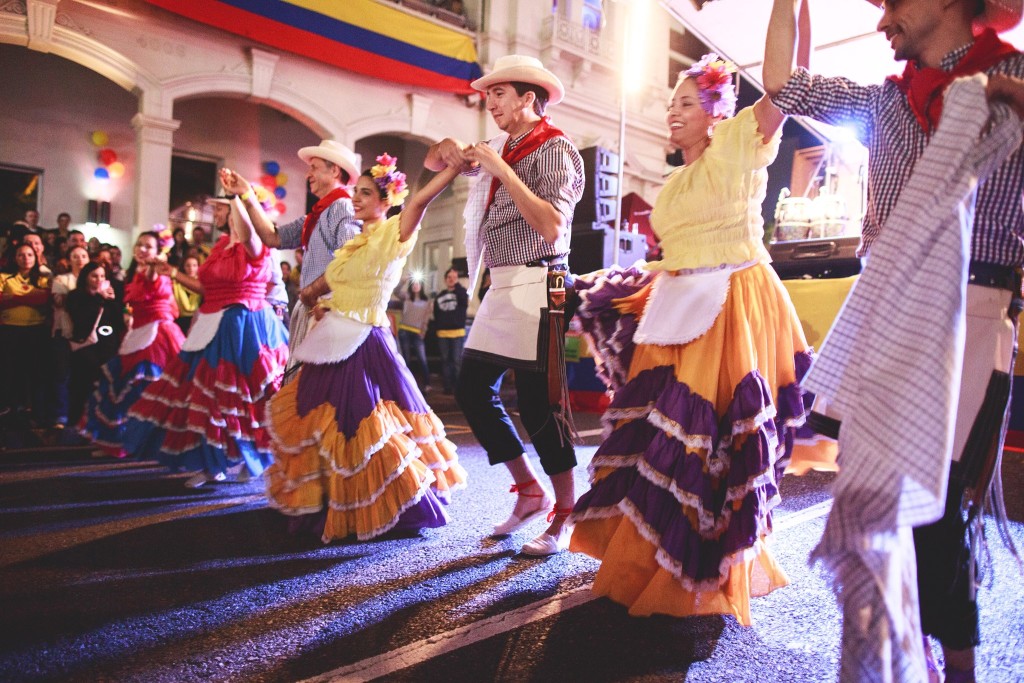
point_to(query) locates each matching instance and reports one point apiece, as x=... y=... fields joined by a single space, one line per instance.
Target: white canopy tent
x=843 y=33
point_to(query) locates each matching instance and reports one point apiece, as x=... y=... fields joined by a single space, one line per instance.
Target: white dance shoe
x=202 y=478
x=514 y=523
x=546 y=544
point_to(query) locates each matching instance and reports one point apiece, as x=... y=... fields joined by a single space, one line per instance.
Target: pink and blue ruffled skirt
x=206 y=412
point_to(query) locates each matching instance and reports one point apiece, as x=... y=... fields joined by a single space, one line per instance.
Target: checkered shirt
x=884 y=122
x=555 y=174
x=891 y=366
x=337 y=225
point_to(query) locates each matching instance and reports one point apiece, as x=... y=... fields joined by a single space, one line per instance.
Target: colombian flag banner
x=364 y=36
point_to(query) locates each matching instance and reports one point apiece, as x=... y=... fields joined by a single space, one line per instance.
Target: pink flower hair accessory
x=390 y=180
x=713 y=76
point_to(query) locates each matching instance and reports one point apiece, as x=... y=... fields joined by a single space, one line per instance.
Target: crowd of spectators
x=40 y=321
x=40 y=268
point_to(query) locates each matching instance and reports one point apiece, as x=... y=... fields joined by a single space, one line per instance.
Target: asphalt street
x=113 y=571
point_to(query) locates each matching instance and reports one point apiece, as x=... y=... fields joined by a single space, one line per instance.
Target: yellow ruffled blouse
x=366 y=270
x=709 y=212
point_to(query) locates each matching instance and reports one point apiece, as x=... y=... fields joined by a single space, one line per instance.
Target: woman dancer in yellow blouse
x=704 y=350
x=353 y=429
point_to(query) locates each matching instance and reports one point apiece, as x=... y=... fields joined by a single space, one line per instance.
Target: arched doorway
x=67 y=120
x=219 y=131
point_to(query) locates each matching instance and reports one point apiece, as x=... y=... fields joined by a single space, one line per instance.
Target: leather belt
x=556 y=262
x=994 y=275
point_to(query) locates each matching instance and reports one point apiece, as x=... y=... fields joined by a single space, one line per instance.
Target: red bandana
x=540 y=134
x=924 y=87
x=321 y=205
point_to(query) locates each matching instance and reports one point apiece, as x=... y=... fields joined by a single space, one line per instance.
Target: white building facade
x=158 y=85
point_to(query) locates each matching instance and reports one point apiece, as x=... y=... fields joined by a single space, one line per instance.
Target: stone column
x=42 y=15
x=154 y=138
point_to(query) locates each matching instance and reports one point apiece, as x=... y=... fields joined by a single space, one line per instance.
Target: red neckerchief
x=540 y=134
x=924 y=87
x=321 y=205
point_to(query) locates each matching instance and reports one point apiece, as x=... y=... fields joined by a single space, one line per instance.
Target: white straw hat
x=525 y=69
x=1001 y=15
x=336 y=153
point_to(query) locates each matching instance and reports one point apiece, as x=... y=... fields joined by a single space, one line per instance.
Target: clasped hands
x=233 y=183
x=467 y=157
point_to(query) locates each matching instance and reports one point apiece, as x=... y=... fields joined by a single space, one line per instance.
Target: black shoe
x=823 y=424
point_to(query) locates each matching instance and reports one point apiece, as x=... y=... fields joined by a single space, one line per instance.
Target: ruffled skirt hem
x=206 y=410
x=395 y=470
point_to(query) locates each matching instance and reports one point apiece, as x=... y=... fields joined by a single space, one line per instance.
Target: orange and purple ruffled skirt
x=697 y=436
x=357 y=439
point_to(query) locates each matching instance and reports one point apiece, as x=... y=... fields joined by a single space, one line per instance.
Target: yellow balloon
x=281 y=178
x=100 y=138
x=116 y=169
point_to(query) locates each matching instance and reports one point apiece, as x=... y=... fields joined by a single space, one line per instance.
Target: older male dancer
x=519 y=216
x=941 y=40
x=331 y=223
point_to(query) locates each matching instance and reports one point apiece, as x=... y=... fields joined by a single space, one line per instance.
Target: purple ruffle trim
x=793 y=405
x=699 y=487
x=354 y=386
x=428 y=513
x=611 y=332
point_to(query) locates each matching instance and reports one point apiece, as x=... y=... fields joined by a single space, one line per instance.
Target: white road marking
x=799 y=517
x=423 y=650
x=428 y=648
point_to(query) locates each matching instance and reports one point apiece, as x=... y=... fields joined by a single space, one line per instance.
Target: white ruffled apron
x=204 y=329
x=683 y=307
x=139 y=338
x=507 y=328
x=331 y=339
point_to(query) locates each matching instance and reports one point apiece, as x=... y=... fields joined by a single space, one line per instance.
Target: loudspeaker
x=601 y=171
x=104 y=213
x=595 y=249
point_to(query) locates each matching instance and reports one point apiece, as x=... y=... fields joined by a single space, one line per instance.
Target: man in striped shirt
x=895 y=120
x=529 y=185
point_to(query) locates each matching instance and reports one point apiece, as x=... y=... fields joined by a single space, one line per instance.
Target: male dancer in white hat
x=519 y=216
x=331 y=223
x=941 y=40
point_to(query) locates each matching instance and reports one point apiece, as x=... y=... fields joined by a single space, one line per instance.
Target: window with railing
x=449 y=11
